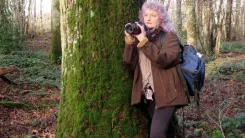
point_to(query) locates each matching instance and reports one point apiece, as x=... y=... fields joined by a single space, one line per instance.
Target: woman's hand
x=125 y=32
x=129 y=39
x=142 y=35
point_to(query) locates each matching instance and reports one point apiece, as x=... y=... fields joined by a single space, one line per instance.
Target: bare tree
x=168 y=4
x=191 y=23
x=178 y=18
x=243 y=21
x=27 y=22
x=17 y=19
x=41 y=17
x=237 y=21
x=55 y=50
x=207 y=7
x=219 y=28
x=228 y=20
x=34 y=19
x=199 y=22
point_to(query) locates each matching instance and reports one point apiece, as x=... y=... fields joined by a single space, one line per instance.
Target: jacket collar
x=152 y=35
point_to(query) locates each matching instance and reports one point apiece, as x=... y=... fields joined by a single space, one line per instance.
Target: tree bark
x=27 y=23
x=243 y=13
x=237 y=15
x=219 y=29
x=206 y=26
x=168 y=4
x=41 y=17
x=55 y=51
x=34 y=20
x=228 y=20
x=178 y=18
x=191 y=23
x=95 y=97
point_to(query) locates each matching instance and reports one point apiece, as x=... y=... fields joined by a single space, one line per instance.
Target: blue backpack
x=191 y=70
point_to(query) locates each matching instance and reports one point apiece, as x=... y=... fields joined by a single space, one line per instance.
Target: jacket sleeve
x=165 y=56
x=130 y=54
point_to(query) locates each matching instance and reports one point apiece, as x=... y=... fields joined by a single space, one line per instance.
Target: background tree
x=191 y=23
x=237 y=21
x=5 y=26
x=168 y=4
x=199 y=22
x=206 y=26
x=27 y=22
x=243 y=21
x=95 y=97
x=228 y=20
x=55 y=51
x=178 y=18
x=41 y=17
x=219 y=28
x=11 y=24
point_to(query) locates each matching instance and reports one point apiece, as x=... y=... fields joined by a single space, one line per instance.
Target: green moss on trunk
x=95 y=98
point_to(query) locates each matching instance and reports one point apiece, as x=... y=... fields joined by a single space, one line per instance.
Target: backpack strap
x=162 y=37
x=184 y=81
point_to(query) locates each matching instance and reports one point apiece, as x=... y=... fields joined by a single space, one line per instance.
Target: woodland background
x=61 y=71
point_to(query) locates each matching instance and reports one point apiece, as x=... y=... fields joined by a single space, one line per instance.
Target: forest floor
x=36 y=116
x=35 y=111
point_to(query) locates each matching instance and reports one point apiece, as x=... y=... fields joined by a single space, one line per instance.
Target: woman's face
x=151 y=18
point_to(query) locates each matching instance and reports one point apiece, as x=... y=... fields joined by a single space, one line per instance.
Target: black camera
x=134 y=29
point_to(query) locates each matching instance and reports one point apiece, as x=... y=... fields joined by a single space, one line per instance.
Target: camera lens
x=129 y=28
x=132 y=28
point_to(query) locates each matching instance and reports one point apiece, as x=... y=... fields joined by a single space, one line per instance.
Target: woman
x=153 y=62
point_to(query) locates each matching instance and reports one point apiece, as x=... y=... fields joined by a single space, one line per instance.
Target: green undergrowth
x=238 y=47
x=226 y=69
x=233 y=127
x=34 y=68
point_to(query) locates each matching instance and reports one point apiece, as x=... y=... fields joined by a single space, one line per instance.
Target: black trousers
x=161 y=121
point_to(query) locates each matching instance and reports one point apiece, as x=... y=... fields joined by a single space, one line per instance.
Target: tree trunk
x=237 y=25
x=191 y=23
x=228 y=20
x=41 y=17
x=23 y=18
x=206 y=26
x=95 y=97
x=178 y=18
x=55 y=51
x=15 y=18
x=34 y=21
x=243 y=24
x=168 y=4
x=219 y=28
x=213 y=32
x=198 y=10
x=27 y=23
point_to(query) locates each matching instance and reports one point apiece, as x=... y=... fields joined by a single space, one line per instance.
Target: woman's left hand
x=142 y=35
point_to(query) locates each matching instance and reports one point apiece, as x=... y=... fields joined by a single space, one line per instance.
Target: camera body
x=134 y=29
